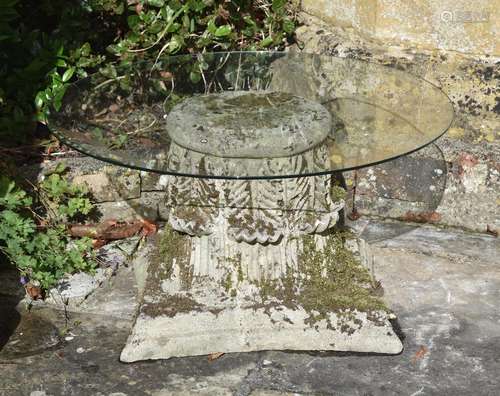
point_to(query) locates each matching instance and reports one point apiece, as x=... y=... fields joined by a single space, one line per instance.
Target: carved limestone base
x=210 y=294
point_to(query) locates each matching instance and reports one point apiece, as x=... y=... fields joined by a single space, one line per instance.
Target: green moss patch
x=175 y=246
x=171 y=306
x=171 y=246
x=328 y=280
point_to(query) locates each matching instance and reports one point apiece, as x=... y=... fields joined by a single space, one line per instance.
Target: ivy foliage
x=32 y=230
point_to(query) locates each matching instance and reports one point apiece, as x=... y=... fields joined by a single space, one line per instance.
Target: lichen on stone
x=171 y=306
x=328 y=280
x=233 y=274
x=227 y=282
x=337 y=193
x=173 y=246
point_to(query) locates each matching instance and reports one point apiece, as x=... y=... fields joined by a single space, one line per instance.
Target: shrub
x=32 y=229
x=47 y=43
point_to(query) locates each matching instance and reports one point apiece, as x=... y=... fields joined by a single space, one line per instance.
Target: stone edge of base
x=169 y=337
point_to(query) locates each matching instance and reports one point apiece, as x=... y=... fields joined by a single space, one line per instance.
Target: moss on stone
x=171 y=306
x=172 y=247
x=240 y=272
x=334 y=277
x=227 y=283
x=175 y=246
x=328 y=280
x=235 y=261
x=338 y=193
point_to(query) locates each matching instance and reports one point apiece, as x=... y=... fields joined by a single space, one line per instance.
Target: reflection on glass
x=251 y=115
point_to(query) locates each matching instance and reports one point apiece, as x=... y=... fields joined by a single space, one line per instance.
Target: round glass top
x=250 y=115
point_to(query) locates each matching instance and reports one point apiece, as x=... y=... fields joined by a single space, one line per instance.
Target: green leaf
x=60 y=168
x=156 y=3
x=266 y=42
x=195 y=77
x=185 y=21
x=288 y=26
x=175 y=44
x=173 y=27
x=61 y=63
x=39 y=99
x=133 y=21
x=156 y=27
x=119 y=10
x=223 y=31
x=68 y=74
x=211 y=27
x=6 y=186
x=85 y=49
x=57 y=101
x=278 y=5
x=97 y=133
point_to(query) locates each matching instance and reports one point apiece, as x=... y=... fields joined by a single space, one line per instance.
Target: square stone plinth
x=204 y=295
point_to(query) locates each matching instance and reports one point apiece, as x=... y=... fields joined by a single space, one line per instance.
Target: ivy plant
x=32 y=234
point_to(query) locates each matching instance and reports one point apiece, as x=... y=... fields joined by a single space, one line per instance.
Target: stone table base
x=205 y=294
x=247 y=265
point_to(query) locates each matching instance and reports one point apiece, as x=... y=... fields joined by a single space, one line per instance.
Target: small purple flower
x=24 y=280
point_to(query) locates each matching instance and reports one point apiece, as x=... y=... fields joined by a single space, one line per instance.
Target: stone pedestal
x=231 y=274
x=248 y=265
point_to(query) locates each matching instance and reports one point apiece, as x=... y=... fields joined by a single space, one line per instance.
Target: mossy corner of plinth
x=170 y=246
x=328 y=280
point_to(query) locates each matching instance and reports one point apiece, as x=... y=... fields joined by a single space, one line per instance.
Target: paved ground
x=444 y=285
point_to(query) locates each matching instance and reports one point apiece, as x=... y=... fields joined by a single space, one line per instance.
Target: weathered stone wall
x=470 y=149
x=119 y=193
x=455 y=25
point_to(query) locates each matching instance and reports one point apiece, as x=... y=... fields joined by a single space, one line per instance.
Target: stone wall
x=119 y=193
x=470 y=149
x=454 y=25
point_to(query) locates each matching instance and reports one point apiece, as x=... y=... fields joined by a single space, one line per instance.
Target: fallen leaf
x=148 y=228
x=146 y=143
x=98 y=243
x=214 y=356
x=467 y=160
x=166 y=75
x=421 y=217
x=224 y=14
x=354 y=215
x=35 y=292
x=114 y=108
x=420 y=353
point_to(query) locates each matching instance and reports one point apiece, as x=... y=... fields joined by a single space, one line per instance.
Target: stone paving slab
x=443 y=284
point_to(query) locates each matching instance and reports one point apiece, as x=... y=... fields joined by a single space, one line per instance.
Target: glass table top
x=250 y=115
